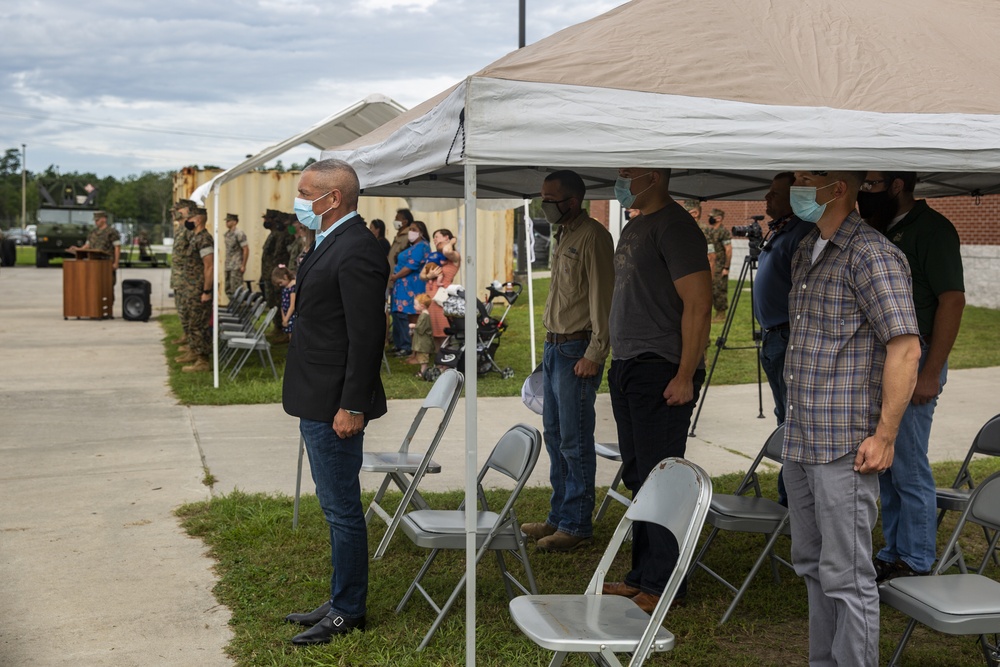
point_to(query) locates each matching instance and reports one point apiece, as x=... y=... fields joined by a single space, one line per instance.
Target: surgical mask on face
x=397 y=224
x=189 y=225
x=412 y=236
x=623 y=190
x=553 y=215
x=804 y=203
x=304 y=212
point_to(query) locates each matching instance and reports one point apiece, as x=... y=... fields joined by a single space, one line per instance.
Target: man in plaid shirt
x=850 y=368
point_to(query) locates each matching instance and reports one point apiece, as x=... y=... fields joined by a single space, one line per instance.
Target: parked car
x=19 y=236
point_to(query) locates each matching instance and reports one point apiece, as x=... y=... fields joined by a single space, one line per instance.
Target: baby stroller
x=489 y=331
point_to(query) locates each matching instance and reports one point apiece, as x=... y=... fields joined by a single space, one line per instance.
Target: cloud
x=84 y=84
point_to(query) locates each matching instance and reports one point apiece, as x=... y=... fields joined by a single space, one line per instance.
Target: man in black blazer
x=332 y=382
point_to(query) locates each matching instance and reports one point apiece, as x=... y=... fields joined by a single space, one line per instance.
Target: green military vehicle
x=60 y=227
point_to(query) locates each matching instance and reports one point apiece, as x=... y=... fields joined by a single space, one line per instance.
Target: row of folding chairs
x=242 y=331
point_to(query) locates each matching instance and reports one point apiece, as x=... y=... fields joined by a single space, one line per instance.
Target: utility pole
x=520 y=38
x=24 y=186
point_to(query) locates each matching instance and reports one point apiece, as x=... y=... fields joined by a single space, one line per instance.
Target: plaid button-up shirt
x=843 y=310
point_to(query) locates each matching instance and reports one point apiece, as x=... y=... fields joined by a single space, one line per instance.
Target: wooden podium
x=87 y=287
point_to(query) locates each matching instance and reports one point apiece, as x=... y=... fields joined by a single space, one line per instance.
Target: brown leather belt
x=564 y=338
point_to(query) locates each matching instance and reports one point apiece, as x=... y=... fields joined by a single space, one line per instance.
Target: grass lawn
x=267 y=570
x=978 y=345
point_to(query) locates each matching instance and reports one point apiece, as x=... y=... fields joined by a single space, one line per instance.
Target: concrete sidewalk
x=97 y=454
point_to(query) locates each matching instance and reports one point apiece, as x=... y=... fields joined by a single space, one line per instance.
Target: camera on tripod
x=752 y=233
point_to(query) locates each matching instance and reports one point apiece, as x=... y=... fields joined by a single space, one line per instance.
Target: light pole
x=24 y=187
x=520 y=35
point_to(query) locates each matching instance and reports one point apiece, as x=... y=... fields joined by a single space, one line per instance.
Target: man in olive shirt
x=576 y=345
x=933 y=251
x=105 y=238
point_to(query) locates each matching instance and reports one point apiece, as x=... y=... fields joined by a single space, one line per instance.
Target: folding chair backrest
x=775 y=444
x=984 y=507
x=515 y=453
x=987 y=441
x=264 y=323
x=670 y=495
x=445 y=391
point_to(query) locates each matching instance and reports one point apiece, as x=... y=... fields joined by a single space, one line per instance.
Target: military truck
x=60 y=227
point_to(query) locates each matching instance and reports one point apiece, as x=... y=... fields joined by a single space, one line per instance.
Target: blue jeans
x=772 y=359
x=568 y=418
x=649 y=431
x=335 y=466
x=401 y=331
x=909 y=498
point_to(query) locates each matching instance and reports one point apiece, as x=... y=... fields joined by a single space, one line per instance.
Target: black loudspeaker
x=135 y=300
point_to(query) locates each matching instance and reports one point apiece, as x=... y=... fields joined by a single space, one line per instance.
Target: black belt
x=776 y=327
x=564 y=338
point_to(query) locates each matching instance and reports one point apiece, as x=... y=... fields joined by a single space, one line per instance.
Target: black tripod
x=749 y=266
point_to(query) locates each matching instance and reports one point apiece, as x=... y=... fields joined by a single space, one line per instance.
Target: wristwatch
x=206 y=291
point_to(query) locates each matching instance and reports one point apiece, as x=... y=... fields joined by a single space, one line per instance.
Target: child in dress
x=422 y=334
x=284 y=278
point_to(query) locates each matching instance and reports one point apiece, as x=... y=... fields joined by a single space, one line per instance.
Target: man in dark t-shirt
x=660 y=318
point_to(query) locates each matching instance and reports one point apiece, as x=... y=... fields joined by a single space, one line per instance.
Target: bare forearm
x=898 y=380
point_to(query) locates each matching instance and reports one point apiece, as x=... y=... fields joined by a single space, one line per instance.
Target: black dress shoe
x=328 y=628
x=312 y=618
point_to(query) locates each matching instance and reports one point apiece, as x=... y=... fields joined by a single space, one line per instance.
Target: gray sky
x=123 y=86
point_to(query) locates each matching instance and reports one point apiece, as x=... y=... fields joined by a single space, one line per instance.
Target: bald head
x=336 y=175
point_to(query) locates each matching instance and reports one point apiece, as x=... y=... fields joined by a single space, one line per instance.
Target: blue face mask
x=623 y=190
x=804 y=203
x=304 y=212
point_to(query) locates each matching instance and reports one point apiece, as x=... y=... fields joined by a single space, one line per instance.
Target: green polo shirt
x=933 y=250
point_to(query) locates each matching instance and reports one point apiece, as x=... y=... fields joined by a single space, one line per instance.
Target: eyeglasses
x=868 y=186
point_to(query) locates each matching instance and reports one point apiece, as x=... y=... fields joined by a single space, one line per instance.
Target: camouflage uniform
x=275 y=252
x=104 y=239
x=192 y=280
x=182 y=239
x=295 y=250
x=235 y=241
x=718 y=238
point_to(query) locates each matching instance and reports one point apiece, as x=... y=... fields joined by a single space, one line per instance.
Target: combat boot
x=198 y=366
x=186 y=358
x=183 y=348
x=182 y=340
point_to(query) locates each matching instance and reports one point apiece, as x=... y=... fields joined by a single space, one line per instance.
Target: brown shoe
x=181 y=340
x=720 y=316
x=619 y=588
x=646 y=602
x=199 y=366
x=537 y=531
x=186 y=358
x=183 y=348
x=560 y=541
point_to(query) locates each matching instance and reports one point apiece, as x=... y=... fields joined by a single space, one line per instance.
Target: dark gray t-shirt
x=653 y=251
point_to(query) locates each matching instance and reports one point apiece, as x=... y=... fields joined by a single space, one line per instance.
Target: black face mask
x=877 y=208
x=189 y=225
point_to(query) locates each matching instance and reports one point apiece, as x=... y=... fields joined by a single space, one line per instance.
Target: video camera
x=752 y=233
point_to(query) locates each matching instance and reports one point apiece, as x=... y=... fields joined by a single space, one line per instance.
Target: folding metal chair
x=404 y=468
x=748 y=514
x=513 y=456
x=257 y=343
x=675 y=495
x=611 y=452
x=956 y=498
x=245 y=329
x=956 y=604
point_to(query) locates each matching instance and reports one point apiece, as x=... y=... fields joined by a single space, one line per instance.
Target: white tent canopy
x=725 y=93
x=754 y=88
x=356 y=120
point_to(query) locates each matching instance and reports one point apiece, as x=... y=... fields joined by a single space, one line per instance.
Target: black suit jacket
x=335 y=355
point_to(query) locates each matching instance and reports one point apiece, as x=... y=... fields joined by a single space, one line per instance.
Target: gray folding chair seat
x=611 y=452
x=956 y=604
x=675 y=495
x=514 y=456
x=406 y=469
x=748 y=514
